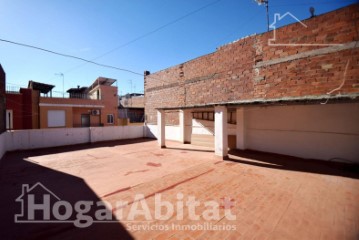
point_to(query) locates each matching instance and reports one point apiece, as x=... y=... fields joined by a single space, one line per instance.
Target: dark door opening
x=85 y=120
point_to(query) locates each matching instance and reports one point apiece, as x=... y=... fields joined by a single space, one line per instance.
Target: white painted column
x=161 y=128
x=241 y=129
x=220 y=131
x=185 y=121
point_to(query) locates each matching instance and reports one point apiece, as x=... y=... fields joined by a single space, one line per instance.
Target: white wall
x=205 y=127
x=171 y=132
x=43 y=138
x=99 y=134
x=2 y=144
x=327 y=132
x=200 y=127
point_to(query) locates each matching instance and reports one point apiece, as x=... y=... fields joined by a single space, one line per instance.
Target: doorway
x=85 y=120
x=9 y=119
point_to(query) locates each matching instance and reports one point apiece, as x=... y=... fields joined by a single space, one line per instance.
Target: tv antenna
x=312 y=10
x=265 y=2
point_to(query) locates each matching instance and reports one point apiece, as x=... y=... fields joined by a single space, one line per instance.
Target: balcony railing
x=55 y=94
x=12 y=89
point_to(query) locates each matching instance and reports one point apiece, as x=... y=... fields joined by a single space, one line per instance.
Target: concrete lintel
x=312 y=53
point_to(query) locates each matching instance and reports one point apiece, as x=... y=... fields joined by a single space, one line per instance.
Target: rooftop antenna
x=63 y=83
x=261 y=2
x=312 y=10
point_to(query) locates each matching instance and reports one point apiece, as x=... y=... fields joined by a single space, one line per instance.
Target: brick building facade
x=2 y=100
x=293 y=90
x=22 y=108
x=251 y=70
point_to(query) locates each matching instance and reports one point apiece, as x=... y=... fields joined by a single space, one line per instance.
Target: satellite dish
x=312 y=10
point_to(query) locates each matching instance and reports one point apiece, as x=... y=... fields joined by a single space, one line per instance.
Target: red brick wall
x=21 y=105
x=2 y=100
x=231 y=73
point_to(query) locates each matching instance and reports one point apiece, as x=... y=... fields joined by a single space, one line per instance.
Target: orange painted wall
x=43 y=115
x=108 y=100
x=76 y=116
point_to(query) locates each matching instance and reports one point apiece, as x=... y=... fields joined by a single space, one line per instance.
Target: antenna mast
x=261 y=2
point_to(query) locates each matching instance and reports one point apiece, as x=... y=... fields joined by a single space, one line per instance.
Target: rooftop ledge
x=310 y=99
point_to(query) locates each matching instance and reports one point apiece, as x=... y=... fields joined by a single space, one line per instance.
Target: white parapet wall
x=172 y=132
x=2 y=144
x=99 y=134
x=44 y=138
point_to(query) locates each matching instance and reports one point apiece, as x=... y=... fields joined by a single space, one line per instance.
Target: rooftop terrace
x=272 y=196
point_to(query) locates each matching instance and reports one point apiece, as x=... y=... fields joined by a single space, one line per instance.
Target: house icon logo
x=276 y=42
x=36 y=203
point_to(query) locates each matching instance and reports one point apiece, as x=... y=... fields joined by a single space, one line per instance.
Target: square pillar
x=240 y=129
x=161 y=128
x=185 y=121
x=220 y=131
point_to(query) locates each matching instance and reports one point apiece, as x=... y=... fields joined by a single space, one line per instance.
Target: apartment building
x=37 y=107
x=91 y=106
x=131 y=108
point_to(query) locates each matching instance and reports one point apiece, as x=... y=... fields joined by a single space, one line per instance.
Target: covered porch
x=305 y=128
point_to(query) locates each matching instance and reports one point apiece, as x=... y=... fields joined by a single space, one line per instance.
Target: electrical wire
x=148 y=33
x=114 y=49
x=70 y=56
x=160 y=28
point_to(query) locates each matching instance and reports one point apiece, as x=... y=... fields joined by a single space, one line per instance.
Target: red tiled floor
x=272 y=196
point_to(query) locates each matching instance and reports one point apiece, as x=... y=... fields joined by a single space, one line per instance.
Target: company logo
x=40 y=205
x=276 y=42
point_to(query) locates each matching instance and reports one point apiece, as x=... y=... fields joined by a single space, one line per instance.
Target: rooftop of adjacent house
x=130 y=95
x=42 y=87
x=77 y=90
x=102 y=81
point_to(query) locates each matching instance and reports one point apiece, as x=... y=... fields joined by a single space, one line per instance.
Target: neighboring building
x=297 y=97
x=86 y=107
x=2 y=100
x=131 y=108
x=22 y=109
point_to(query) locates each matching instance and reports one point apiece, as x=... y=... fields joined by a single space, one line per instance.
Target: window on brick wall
x=110 y=119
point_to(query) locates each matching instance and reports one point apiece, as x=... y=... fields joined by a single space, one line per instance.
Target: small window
x=110 y=119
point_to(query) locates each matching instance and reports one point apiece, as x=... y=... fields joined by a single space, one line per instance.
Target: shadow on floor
x=189 y=149
x=16 y=171
x=283 y=162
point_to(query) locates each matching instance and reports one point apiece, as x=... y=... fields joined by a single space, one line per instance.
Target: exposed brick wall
x=21 y=106
x=245 y=70
x=135 y=102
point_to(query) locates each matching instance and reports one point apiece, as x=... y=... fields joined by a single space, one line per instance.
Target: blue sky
x=90 y=28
